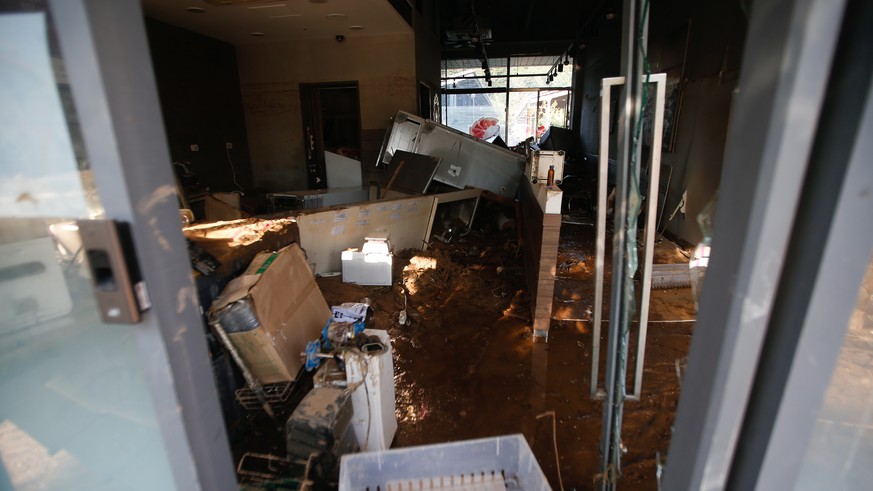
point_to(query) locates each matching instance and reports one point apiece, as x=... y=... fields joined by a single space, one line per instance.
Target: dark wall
x=714 y=50
x=427 y=43
x=199 y=88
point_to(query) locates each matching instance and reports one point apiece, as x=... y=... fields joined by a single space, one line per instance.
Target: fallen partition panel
x=324 y=234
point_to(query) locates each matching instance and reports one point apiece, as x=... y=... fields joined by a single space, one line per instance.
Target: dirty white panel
x=342 y=171
x=466 y=161
x=402 y=135
x=38 y=172
x=325 y=234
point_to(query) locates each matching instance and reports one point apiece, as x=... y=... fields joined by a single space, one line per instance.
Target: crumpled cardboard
x=270 y=312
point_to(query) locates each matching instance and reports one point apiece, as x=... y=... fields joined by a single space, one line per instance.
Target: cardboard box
x=270 y=312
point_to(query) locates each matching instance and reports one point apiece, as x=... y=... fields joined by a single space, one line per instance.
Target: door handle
x=115 y=275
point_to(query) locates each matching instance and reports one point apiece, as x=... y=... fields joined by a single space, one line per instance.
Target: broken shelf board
x=541 y=230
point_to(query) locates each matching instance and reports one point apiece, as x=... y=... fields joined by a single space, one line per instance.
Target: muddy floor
x=466 y=366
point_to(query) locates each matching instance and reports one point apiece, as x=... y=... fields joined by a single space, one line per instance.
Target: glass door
x=78 y=396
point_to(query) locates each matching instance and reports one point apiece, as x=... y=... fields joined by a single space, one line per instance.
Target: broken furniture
x=466 y=161
x=319 y=431
x=665 y=276
x=326 y=233
x=408 y=174
x=503 y=462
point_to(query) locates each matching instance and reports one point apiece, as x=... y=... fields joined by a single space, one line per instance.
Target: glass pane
x=535 y=76
x=469 y=74
x=75 y=410
x=553 y=110
x=470 y=113
x=841 y=448
x=522 y=116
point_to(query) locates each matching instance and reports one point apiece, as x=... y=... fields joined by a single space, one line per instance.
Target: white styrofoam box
x=370 y=266
x=538 y=166
x=378 y=244
x=503 y=462
x=367 y=269
x=373 y=400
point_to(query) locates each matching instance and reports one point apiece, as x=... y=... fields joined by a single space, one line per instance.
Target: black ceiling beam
x=503 y=50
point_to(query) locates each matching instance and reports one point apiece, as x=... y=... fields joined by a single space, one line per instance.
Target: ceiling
x=513 y=27
x=500 y=27
x=283 y=20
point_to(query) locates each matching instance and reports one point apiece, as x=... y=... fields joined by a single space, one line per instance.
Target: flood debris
x=465 y=161
x=263 y=326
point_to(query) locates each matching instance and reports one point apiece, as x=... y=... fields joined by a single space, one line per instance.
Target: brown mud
x=466 y=365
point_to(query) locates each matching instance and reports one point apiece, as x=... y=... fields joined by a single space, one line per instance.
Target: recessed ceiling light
x=295 y=14
x=305 y=28
x=337 y=16
x=195 y=10
x=253 y=7
x=317 y=1
x=258 y=34
x=356 y=28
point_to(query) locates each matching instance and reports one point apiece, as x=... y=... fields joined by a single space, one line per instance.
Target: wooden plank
x=540 y=233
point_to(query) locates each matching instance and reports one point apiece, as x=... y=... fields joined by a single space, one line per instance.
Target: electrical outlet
x=228 y=146
x=195 y=147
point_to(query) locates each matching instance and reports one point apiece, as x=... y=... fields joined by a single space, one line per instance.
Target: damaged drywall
x=270 y=74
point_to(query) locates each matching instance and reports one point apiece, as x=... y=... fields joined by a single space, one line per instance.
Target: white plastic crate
x=504 y=462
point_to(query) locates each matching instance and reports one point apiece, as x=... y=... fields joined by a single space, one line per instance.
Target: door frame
x=106 y=54
x=313 y=128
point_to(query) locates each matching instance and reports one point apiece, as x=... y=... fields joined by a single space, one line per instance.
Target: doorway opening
x=332 y=132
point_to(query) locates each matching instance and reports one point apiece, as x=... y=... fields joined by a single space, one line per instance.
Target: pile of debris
x=276 y=325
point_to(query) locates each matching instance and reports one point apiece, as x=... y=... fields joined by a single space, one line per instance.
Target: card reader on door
x=115 y=275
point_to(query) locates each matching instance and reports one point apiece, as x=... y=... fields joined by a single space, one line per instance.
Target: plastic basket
x=504 y=462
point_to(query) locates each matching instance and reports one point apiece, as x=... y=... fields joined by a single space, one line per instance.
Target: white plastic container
x=373 y=400
x=504 y=462
x=371 y=266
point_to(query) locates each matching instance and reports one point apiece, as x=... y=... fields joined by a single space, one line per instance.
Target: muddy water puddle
x=466 y=366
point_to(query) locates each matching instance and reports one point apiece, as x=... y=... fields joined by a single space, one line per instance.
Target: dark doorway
x=331 y=123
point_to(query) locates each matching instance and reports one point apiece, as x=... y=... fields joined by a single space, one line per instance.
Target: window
x=518 y=98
